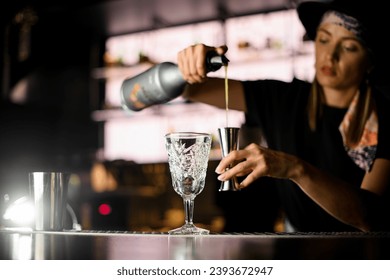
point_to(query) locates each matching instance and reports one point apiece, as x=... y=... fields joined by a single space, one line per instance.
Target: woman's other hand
x=255 y=161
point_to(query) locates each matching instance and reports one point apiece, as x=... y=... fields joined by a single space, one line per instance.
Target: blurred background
x=62 y=65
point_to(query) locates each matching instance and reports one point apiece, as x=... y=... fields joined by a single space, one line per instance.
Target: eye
x=322 y=38
x=350 y=47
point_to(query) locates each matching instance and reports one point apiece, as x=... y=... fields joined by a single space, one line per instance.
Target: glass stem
x=189 y=210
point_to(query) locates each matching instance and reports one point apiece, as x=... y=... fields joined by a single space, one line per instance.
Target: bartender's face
x=341 y=60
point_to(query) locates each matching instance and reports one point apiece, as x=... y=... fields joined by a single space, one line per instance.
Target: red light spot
x=104 y=209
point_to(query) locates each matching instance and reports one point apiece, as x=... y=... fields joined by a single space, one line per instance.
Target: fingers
x=230 y=159
x=222 y=49
x=191 y=62
x=248 y=162
x=242 y=169
x=251 y=154
x=248 y=180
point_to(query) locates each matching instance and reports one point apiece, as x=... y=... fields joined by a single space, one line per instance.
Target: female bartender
x=328 y=140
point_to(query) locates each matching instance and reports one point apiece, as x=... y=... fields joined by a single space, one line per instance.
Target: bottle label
x=133 y=97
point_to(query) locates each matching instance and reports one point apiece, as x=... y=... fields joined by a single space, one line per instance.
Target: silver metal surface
x=129 y=245
x=49 y=192
x=228 y=137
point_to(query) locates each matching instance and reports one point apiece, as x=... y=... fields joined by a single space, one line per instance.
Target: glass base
x=189 y=229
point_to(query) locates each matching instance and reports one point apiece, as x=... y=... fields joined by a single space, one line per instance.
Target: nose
x=334 y=52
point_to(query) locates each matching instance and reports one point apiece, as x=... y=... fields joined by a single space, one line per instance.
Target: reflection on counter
x=111 y=245
x=28 y=246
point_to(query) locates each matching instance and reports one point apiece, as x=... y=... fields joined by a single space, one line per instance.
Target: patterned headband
x=348 y=22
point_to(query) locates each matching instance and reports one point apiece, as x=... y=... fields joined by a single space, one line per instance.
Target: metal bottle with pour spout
x=161 y=83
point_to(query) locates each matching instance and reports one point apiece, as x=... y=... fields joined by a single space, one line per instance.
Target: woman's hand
x=255 y=161
x=192 y=62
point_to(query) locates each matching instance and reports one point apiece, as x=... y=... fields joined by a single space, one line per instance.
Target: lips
x=329 y=71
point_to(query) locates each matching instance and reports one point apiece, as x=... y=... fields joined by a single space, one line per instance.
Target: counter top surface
x=128 y=245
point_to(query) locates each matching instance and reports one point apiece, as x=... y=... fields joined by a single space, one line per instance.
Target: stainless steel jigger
x=228 y=137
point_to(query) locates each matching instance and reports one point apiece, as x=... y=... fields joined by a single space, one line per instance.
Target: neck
x=338 y=98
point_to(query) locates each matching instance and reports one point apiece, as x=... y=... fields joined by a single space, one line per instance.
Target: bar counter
x=126 y=245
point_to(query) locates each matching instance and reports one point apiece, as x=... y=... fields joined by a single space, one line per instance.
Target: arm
x=212 y=92
x=341 y=200
x=356 y=207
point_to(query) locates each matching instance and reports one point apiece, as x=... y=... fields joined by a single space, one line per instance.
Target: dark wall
x=50 y=128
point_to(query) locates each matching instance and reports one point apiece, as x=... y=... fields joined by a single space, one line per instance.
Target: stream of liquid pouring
x=226 y=96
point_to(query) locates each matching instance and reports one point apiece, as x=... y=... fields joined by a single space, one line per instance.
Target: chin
x=327 y=81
